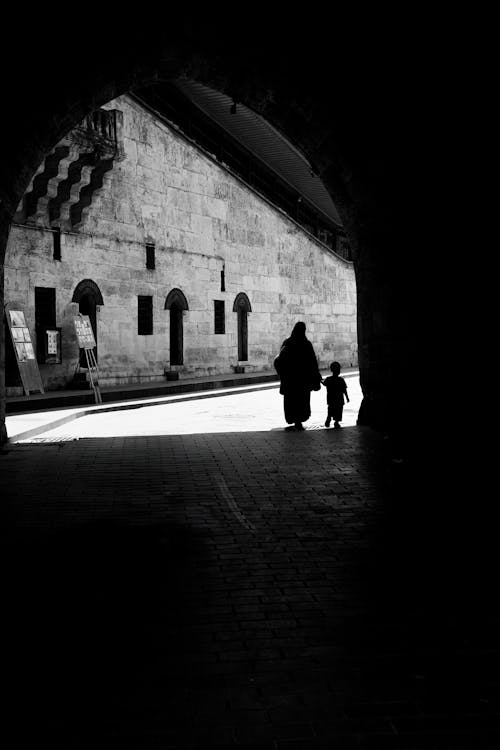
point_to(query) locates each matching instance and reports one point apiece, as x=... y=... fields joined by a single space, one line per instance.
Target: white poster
x=51 y=342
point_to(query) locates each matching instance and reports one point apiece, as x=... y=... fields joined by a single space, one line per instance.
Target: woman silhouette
x=297 y=366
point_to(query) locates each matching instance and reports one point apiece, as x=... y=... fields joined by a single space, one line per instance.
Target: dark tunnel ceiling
x=261 y=139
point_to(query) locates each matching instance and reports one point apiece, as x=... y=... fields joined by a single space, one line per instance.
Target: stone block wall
x=202 y=220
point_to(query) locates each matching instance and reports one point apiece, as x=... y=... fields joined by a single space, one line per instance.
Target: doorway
x=176 y=302
x=89 y=297
x=242 y=307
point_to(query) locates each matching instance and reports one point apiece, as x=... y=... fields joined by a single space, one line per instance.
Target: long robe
x=298 y=369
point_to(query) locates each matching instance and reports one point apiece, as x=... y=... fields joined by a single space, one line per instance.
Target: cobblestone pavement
x=251 y=590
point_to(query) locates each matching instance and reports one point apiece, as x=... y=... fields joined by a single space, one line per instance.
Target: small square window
x=150 y=256
x=144 y=315
x=219 y=317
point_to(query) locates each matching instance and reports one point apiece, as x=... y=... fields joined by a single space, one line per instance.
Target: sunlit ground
x=239 y=412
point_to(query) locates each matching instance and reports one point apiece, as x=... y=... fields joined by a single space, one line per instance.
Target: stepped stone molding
x=39 y=186
x=64 y=185
x=42 y=209
x=20 y=215
x=87 y=192
x=69 y=190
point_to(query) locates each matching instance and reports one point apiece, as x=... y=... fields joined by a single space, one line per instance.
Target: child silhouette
x=336 y=390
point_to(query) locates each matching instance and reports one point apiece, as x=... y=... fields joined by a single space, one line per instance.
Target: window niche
x=56 y=243
x=150 y=256
x=144 y=315
x=219 y=316
x=45 y=318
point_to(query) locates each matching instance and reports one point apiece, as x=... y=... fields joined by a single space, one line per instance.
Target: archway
x=89 y=297
x=365 y=163
x=176 y=303
x=242 y=307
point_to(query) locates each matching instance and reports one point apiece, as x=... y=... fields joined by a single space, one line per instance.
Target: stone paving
x=254 y=590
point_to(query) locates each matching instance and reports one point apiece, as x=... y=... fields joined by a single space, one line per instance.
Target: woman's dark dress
x=297 y=367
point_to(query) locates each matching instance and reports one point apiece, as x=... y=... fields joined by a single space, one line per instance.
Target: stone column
x=4 y=234
x=384 y=265
x=387 y=357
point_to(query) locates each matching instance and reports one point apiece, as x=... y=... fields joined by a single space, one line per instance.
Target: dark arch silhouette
x=242 y=307
x=241 y=302
x=364 y=175
x=176 y=297
x=85 y=287
x=88 y=295
x=176 y=302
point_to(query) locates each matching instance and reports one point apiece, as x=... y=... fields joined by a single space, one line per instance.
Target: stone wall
x=202 y=220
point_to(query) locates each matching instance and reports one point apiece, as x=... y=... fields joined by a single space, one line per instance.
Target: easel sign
x=23 y=348
x=84 y=332
x=86 y=341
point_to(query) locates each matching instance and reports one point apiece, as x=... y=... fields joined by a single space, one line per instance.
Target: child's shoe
x=336 y=426
x=327 y=422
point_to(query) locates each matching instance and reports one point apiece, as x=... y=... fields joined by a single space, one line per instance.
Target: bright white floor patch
x=239 y=412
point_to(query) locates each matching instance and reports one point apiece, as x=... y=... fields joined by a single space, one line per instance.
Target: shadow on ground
x=95 y=631
x=356 y=607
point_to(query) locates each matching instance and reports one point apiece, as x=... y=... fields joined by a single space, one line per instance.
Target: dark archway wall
x=339 y=102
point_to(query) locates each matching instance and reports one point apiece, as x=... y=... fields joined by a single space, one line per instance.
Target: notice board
x=84 y=332
x=52 y=346
x=25 y=354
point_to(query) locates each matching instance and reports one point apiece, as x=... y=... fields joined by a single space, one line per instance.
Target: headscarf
x=297 y=363
x=298 y=331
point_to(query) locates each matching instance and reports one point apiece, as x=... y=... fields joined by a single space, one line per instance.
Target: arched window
x=242 y=307
x=88 y=295
x=176 y=302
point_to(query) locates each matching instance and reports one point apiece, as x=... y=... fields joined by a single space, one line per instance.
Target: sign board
x=84 y=332
x=86 y=340
x=52 y=346
x=23 y=349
